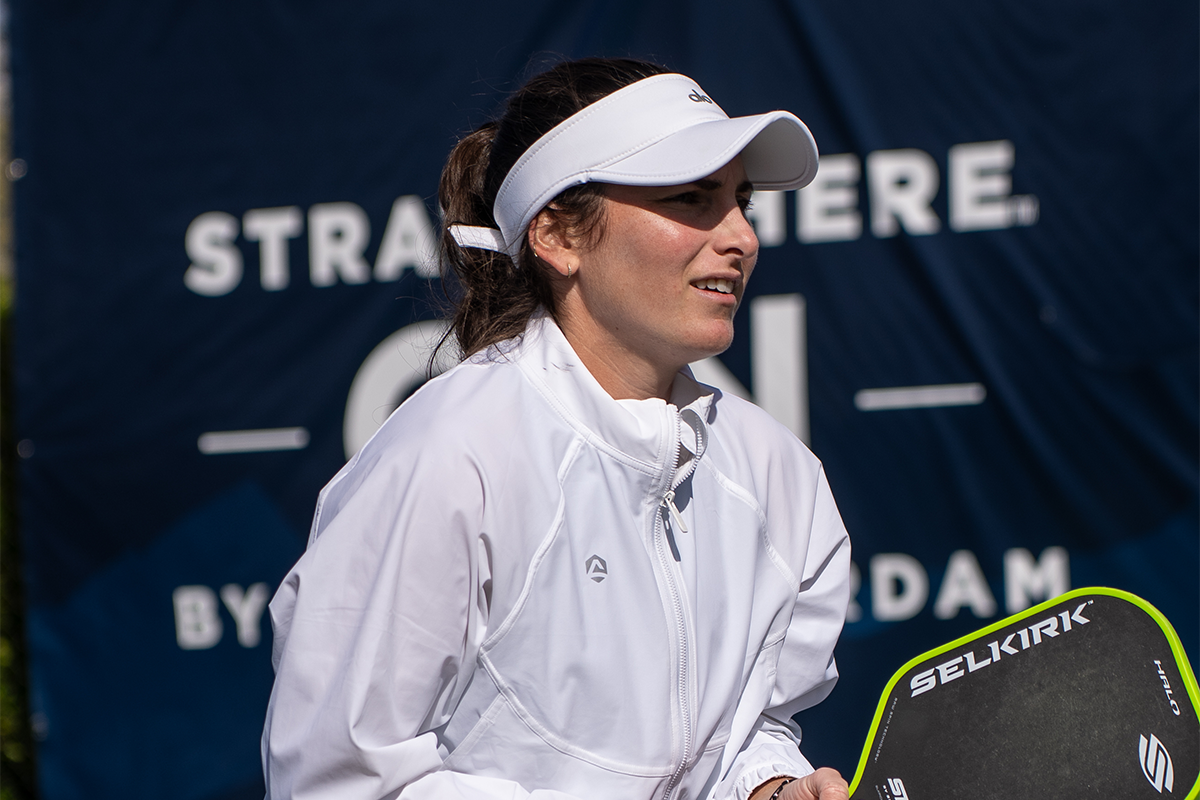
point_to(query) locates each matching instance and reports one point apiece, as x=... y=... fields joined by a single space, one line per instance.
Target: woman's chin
x=713 y=342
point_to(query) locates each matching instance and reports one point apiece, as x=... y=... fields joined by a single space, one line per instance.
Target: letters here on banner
x=901 y=186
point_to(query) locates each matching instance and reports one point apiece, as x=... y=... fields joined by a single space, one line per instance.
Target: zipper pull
x=675 y=515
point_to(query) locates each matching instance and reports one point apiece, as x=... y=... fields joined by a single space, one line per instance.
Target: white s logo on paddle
x=1156 y=763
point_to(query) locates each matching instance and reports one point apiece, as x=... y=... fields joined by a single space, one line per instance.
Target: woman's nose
x=738 y=234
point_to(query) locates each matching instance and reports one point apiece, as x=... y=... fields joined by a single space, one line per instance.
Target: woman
x=565 y=569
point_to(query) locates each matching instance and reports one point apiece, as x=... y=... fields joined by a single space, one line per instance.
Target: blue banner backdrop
x=983 y=316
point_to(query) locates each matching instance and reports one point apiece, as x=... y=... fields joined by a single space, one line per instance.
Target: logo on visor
x=696 y=97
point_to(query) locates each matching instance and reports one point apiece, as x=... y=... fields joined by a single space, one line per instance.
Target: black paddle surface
x=1087 y=695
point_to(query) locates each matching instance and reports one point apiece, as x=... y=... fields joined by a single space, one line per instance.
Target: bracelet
x=779 y=789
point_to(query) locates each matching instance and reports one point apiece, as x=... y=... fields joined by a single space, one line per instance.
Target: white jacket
x=500 y=600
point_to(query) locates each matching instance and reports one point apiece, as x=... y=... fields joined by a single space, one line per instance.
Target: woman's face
x=661 y=285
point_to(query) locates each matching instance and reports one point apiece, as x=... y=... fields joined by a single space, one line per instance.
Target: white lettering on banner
x=338 y=234
x=247 y=610
x=198 y=624
x=901 y=184
x=964 y=585
x=272 y=228
x=338 y=237
x=408 y=241
x=1027 y=581
x=779 y=359
x=216 y=262
x=980 y=188
x=900 y=588
x=827 y=209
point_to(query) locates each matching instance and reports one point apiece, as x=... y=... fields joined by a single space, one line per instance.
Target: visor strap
x=481 y=238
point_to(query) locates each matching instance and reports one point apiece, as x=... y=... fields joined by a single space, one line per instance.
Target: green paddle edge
x=1185 y=667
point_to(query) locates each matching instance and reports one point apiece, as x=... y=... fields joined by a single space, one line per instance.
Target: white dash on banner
x=256 y=441
x=897 y=397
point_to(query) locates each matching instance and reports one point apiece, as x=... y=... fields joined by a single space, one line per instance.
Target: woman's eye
x=746 y=203
x=687 y=198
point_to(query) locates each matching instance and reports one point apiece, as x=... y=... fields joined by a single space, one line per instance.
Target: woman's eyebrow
x=709 y=184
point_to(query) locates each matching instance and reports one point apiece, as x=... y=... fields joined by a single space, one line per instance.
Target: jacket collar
x=644 y=433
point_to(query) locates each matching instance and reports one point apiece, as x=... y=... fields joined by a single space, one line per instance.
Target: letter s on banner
x=216 y=267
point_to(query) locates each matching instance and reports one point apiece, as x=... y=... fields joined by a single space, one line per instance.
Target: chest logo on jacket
x=597 y=568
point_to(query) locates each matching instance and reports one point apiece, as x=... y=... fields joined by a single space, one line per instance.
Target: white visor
x=659 y=131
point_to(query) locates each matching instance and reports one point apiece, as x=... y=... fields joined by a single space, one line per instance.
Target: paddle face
x=1088 y=695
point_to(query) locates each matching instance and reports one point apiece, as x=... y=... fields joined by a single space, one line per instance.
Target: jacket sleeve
x=377 y=629
x=806 y=672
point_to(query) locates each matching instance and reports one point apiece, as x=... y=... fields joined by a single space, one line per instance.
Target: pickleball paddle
x=1087 y=695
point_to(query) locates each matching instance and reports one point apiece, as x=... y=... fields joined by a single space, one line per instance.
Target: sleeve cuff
x=752 y=778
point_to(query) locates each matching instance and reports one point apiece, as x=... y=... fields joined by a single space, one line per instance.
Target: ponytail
x=494 y=298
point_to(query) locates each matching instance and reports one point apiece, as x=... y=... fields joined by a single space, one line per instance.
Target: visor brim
x=777 y=149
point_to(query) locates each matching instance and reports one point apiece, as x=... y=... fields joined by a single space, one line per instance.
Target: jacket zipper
x=677 y=603
x=669 y=499
x=681 y=636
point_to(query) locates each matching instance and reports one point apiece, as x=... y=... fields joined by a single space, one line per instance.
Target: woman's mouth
x=715 y=285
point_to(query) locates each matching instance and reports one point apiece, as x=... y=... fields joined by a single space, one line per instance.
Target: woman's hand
x=824 y=784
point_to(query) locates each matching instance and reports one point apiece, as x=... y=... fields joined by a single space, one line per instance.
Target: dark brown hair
x=493 y=297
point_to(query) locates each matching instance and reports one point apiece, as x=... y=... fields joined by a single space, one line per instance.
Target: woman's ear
x=552 y=243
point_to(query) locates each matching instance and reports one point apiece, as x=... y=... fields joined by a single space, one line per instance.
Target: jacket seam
x=586 y=433
x=539 y=555
x=743 y=495
x=552 y=741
